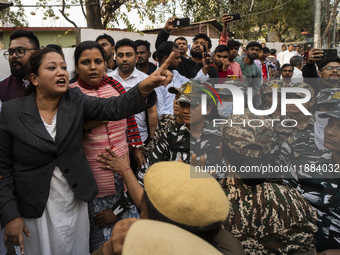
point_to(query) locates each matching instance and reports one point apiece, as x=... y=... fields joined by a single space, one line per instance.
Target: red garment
x=264 y=72
x=224 y=74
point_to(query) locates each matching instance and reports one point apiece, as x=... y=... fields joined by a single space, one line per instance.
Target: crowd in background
x=83 y=156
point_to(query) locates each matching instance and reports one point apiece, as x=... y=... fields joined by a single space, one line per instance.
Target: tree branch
x=251 y=6
x=82 y=8
x=330 y=22
x=62 y=11
x=110 y=9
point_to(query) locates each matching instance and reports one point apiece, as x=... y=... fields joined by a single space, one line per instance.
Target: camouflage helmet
x=328 y=96
x=227 y=92
x=254 y=140
x=335 y=113
x=175 y=90
x=269 y=85
x=304 y=86
x=192 y=91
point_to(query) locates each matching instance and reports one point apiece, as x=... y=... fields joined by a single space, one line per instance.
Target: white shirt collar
x=115 y=73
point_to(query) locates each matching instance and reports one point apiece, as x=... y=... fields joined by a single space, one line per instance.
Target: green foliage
x=13 y=16
x=112 y=10
x=257 y=16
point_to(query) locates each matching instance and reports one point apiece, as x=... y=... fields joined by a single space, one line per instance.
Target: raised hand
x=161 y=77
x=169 y=25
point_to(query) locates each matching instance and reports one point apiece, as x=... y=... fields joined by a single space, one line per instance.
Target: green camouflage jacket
x=178 y=143
x=283 y=133
x=296 y=151
x=270 y=218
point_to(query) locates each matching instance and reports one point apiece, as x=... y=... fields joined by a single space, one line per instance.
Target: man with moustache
x=22 y=45
x=233 y=45
x=143 y=54
x=128 y=75
x=201 y=44
x=221 y=62
x=108 y=44
x=251 y=73
x=328 y=71
x=163 y=52
x=182 y=44
x=287 y=71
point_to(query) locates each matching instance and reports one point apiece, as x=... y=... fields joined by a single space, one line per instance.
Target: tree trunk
x=260 y=28
x=328 y=19
x=330 y=22
x=93 y=17
x=279 y=32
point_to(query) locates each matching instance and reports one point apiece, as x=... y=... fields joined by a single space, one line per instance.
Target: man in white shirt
x=128 y=75
x=297 y=62
x=288 y=54
x=283 y=49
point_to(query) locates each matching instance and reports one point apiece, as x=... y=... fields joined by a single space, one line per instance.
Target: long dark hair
x=34 y=64
x=86 y=45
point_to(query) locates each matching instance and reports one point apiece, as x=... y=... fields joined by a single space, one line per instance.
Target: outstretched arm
x=165 y=33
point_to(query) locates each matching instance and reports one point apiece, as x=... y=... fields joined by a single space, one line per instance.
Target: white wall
x=91 y=34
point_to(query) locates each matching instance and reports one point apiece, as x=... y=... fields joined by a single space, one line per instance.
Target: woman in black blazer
x=41 y=153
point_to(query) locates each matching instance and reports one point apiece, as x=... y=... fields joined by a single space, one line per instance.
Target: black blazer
x=28 y=154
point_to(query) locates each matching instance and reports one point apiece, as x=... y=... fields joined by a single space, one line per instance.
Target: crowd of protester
x=105 y=161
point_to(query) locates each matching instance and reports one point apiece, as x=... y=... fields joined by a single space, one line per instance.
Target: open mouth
x=61 y=81
x=292 y=107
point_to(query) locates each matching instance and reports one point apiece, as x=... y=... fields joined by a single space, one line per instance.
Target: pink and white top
x=111 y=135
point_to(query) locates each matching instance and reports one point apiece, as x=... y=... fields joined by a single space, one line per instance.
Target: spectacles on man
x=20 y=52
x=331 y=68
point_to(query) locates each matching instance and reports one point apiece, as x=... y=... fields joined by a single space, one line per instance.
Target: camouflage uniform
x=282 y=132
x=271 y=217
x=178 y=143
x=328 y=96
x=300 y=148
x=323 y=193
x=324 y=196
x=267 y=88
x=165 y=121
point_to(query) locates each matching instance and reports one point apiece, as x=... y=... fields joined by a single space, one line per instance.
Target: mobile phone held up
x=329 y=53
x=206 y=55
x=235 y=16
x=184 y=22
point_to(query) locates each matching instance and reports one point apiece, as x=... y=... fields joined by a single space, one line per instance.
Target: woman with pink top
x=111 y=204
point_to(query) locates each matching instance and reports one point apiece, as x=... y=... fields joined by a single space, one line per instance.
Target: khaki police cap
x=194 y=202
x=149 y=237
